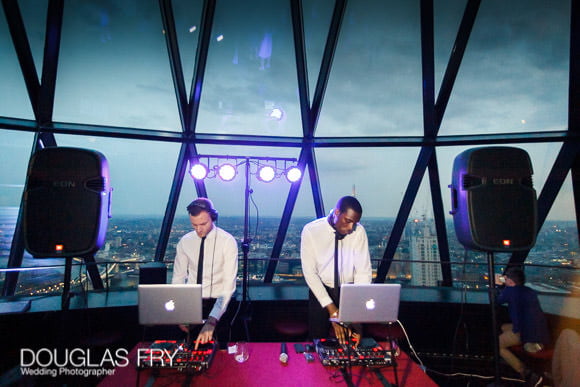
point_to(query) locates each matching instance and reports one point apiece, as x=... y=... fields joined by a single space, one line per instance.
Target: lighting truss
x=266 y=169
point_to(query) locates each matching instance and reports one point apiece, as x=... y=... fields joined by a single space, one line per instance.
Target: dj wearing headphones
x=333 y=250
x=208 y=256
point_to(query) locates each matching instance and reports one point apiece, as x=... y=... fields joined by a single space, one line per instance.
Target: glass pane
x=556 y=246
x=114 y=68
x=317 y=16
x=375 y=82
x=15 y=147
x=419 y=240
x=34 y=18
x=187 y=16
x=447 y=18
x=13 y=94
x=250 y=80
x=514 y=75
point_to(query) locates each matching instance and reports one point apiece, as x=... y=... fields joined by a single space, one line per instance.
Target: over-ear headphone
x=206 y=205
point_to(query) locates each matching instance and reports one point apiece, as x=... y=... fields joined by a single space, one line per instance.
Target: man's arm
x=310 y=271
x=230 y=269
x=363 y=271
x=180 y=265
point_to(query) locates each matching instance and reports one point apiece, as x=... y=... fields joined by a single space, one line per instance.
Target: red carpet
x=264 y=369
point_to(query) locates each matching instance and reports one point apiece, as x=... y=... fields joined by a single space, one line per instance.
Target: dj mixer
x=177 y=355
x=367 y=353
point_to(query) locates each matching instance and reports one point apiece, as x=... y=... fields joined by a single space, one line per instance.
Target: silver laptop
x=168 y=304
x=369 y=303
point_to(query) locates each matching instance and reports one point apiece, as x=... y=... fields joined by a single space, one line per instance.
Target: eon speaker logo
x=370 y=304
x=170 y=306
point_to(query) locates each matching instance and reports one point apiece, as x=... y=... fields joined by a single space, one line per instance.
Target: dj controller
x=367 y=353
x=177 y=355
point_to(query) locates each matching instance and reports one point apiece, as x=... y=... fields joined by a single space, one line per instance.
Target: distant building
x=424 y=248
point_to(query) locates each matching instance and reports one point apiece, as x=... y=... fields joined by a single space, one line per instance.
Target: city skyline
x=133 y=240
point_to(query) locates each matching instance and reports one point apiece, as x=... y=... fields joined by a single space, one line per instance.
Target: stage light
x=266 y=174
x=227 y=172
x=293 y=174
x=198 y=171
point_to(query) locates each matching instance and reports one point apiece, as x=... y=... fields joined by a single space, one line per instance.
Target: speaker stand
x=93 y=273
x=495 y=338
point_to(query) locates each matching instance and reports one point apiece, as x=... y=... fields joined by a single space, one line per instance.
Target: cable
x=460 y=321
x=475 y=376
x=257 y=213
x=411 y=346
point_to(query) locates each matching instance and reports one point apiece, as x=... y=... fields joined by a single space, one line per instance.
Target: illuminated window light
x=276 y=114
x=59 y=248
x=227 y=172
x=506 y=242
x=198 y=171
x=293 y=174
x=266 y=174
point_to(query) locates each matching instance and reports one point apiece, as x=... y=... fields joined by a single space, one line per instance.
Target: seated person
x=528 y=324
x=208 y=256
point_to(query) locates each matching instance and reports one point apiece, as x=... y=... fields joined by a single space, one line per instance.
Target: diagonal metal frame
x=428 y=151
x=309 y=115
x=187 y=110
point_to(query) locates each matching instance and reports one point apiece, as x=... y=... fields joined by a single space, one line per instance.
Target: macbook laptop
x=168 y=304
x=369 y=303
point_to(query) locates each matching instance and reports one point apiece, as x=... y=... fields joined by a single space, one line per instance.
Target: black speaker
x=493 y=201
x=66 y=202
x=153 y=273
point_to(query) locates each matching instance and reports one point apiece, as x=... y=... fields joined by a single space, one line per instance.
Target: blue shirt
x=526 y=314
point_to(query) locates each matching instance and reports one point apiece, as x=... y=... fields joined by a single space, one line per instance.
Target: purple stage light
x=198 y=171
x=293 y=174
x=227 y=172
x=266 y=174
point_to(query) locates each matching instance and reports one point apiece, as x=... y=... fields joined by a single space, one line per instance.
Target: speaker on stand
x=494 y=208
x=66 y=207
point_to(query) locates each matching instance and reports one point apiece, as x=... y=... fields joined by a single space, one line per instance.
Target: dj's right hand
x=341 y=332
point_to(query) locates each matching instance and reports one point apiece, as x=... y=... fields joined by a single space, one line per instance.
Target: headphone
x=206 y=205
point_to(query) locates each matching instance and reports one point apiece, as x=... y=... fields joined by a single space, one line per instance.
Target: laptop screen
x=168 y=304
x=369 y=303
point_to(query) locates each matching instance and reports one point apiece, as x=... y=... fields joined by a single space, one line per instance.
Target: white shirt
x=317 y=256
x=220 y=266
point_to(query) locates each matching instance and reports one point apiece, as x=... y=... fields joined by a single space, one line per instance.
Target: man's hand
x=206 y=333
x=184 y=328
x=342 y=333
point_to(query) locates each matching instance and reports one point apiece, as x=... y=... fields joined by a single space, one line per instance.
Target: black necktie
x=336 y=278
x=200 y=261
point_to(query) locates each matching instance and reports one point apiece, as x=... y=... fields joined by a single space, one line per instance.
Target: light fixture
x=293 y=174
x=265 y=169
x=227 y=172
x=198 y=171
x=266 y=173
